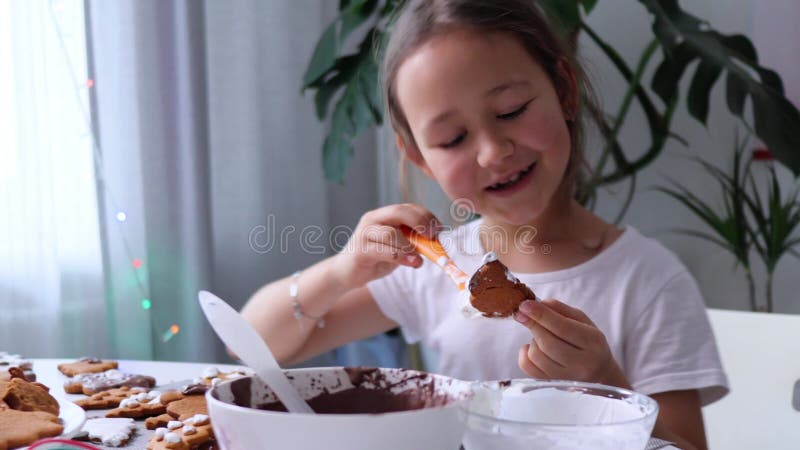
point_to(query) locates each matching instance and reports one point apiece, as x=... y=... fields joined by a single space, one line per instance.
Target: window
x=50 y=254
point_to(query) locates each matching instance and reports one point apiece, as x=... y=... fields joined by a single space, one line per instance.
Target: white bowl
x=550 y=415
x=439 y=425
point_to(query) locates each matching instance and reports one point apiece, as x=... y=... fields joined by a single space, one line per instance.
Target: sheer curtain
x=51 y=278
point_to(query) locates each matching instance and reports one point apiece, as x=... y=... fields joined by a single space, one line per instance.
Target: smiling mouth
x=511 y=182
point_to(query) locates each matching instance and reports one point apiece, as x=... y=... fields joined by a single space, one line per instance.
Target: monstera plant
x=688 y=47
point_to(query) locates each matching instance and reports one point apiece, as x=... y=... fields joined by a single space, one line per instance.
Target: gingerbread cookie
x=212 y=376
x=9 y=360
x=140 y=405
x=192 y=432
x=20 y=428
x=108 y=399
x=187 y=407
x=22 y=395
x=151 y=423
x=86 y=365
x=111 y=432
x=91 y=383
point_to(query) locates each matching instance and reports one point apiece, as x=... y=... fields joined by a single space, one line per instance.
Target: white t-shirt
x=636 y=291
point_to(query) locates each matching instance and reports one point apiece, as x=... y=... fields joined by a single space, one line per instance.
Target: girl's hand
x=377 y=245
x=566 y=345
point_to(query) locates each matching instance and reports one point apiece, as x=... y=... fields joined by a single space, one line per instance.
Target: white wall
x=628 y=30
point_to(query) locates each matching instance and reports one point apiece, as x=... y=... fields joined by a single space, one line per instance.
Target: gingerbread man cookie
x=192 y=432
x=108 y=399
x=140 y=405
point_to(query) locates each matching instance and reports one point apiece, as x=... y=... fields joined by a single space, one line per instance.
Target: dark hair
x=420 y=20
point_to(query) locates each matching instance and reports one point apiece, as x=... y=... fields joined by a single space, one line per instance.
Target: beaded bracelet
x=299 y=315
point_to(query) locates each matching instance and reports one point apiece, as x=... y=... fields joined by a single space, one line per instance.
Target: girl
x=484 y=99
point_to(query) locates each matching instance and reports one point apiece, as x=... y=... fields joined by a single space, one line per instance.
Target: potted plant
x=750 y=221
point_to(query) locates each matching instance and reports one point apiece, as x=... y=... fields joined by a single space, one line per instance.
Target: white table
x=164 y=372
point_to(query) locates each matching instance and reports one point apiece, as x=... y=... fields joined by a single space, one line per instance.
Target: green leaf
x=735 y=93
x=700 y=89
x=368 y=79
x=741 y=48
x=343 y=70
x=355 y=15
x=324 y=56
x=771 y=79
x=777 y=121
x=588 y=5
x=667 y=76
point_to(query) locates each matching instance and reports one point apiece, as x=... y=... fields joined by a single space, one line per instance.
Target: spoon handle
x=433 y=250
x=248 y=345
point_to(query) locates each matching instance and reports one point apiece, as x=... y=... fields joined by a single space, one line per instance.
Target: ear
x=570 y=97
x=410 y=151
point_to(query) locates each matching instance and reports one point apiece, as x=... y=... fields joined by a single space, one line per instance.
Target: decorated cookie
x=151 y=423
x=108 y=399
x=140 y=405
x=187 y=407
x=86 y=365
x=211 y=376
x=192 y=432
x=8 y=360
x=20 y=428
x=111 y=432
x=22 y=395
x=92 y=383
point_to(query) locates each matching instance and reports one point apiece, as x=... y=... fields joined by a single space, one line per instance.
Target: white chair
x=761 y=355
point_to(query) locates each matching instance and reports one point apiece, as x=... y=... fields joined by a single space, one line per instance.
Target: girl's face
x=487 y=122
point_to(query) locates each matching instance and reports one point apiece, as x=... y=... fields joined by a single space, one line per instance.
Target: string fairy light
x=121 y=216
x=170 y=333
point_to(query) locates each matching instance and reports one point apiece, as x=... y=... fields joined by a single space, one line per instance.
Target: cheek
x=547 y=133
x=453 y=173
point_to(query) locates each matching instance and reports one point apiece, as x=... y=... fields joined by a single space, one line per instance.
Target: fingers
x=414 y=216
x=527 y=365
x=382 y=246
x=569 y=311
x=556 y=349
x=570 y=330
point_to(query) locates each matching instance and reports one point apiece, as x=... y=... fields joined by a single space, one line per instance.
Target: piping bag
x=492 y=275
x=435 y=252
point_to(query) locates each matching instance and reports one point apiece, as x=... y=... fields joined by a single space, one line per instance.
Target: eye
x=459 y=139
x=516 y=113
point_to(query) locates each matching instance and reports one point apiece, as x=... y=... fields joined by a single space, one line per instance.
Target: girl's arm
x=680 y=419
x=335 y=288
x=349 y=314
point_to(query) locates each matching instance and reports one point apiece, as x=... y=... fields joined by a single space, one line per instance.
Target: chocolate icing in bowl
x=356 y=408
x=372 y=393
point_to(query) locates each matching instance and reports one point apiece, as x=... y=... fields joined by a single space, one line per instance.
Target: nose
x=493 y=149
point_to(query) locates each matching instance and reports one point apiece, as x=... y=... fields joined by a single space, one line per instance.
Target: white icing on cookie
x=112 y=432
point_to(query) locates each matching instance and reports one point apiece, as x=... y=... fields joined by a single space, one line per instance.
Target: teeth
x=510 y=180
